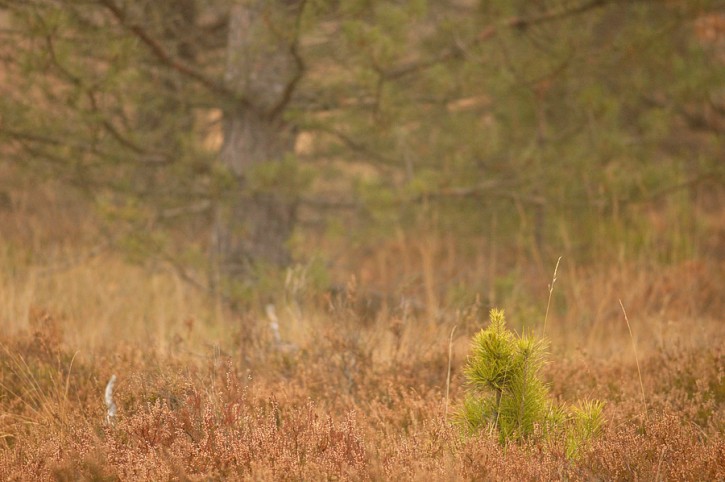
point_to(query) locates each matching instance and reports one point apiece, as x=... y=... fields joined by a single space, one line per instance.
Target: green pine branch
x=507 y=396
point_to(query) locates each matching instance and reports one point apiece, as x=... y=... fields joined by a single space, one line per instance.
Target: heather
x=345 y=400
x=362 y=240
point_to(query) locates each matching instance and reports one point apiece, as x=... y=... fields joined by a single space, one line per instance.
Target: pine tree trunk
x=252 y=228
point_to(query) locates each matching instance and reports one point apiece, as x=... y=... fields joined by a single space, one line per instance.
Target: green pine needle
x=507 y=396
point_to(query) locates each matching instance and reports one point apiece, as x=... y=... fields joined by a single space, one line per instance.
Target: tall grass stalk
x=636 y=358
x=45 y=404
x=448 y=376
x=551 y=291
x=67 y=385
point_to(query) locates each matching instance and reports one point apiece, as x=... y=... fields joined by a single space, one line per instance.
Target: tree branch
x=490 y=32
x=151 y=157
x=358 y=147
x=169 y=59
x=299 y=64
x=524 y=22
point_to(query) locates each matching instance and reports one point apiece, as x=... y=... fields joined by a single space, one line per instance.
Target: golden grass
x=105 y=299
x=551 y=292
x=214 y=398
x=204 y=393
x=636 y=360
x=331 y=410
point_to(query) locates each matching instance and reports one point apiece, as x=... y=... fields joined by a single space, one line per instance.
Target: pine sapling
x=508 y=397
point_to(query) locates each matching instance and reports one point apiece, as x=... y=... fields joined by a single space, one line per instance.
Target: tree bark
x=253 y=225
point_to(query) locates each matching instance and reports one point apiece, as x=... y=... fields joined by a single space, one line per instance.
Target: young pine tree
x=507 y=395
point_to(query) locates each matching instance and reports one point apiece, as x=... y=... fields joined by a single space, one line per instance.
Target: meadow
x=348 y=386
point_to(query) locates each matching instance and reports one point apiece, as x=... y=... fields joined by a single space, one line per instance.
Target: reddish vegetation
x=204 y=394
x=330 y=411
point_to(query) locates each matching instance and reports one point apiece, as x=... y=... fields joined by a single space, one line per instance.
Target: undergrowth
x=331 y=409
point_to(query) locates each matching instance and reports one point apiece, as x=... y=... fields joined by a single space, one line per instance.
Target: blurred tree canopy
x=220 y=127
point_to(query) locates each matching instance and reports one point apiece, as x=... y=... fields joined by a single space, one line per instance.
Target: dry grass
x=205 y=394
x=331 y=411
x=350 y=403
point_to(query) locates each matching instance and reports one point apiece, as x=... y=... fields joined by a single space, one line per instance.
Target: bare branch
x=382 y=161
x=489 y=32
x=299 y=64
x=524 y=22
x=151 y=157
x=168 y=59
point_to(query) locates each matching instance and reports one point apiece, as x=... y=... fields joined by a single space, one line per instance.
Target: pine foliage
x=507 y=395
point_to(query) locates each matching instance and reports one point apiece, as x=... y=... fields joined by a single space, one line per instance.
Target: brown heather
x=332 y=411
x=206 y=394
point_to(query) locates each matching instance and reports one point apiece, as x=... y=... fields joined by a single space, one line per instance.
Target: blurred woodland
x=230 y=139
x=435 y=151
